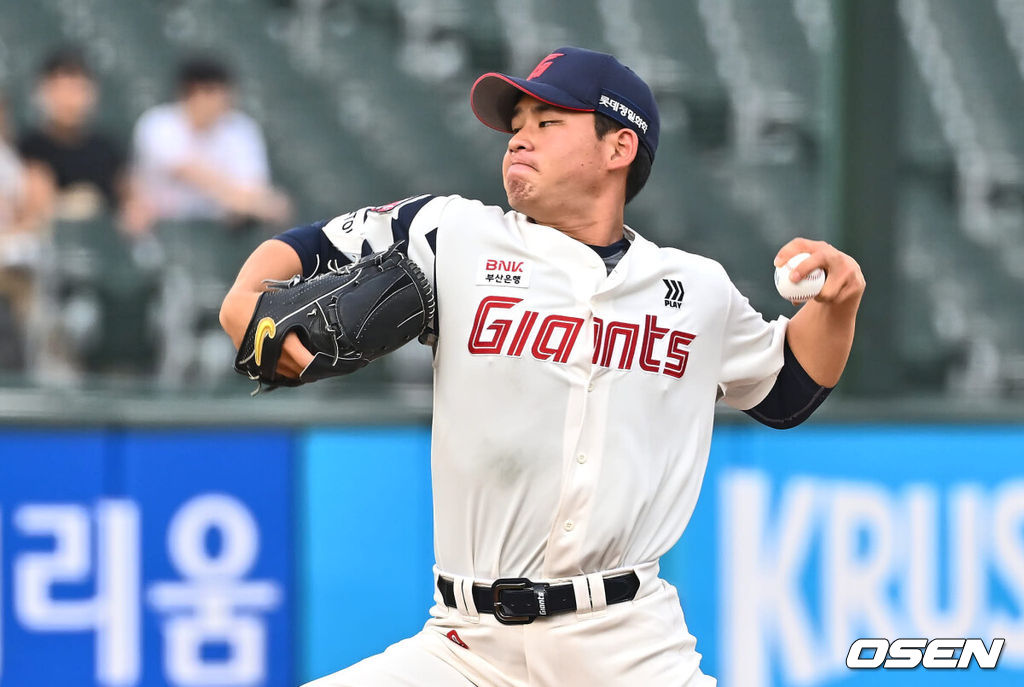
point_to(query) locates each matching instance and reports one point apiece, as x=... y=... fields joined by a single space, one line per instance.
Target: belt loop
x=582 y=591
x=598 y=599
x=590 y=596
x=462 y=587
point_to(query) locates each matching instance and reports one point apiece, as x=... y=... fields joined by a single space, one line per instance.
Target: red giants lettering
x=629 y=333
x=543 y=347
x=616 y=344
x=477 y=344
x=677 y=353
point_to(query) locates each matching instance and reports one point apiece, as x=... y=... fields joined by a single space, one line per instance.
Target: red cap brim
x=494 y=97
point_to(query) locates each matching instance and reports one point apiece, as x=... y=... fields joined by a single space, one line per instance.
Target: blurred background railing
x=363 y=102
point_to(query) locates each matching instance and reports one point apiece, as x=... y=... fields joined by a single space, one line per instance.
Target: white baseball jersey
x=573 y=407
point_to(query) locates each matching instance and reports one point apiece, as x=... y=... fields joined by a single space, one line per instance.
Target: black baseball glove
x=346 y=318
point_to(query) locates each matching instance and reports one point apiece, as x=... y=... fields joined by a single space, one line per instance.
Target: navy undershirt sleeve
x=793 y=398
x=314 y=248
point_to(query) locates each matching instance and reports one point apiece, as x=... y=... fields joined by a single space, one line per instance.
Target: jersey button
x=590 y=387
x=568 y=525
x=581 y=458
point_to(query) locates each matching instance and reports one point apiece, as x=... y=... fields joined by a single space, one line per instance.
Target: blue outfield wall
x=808 y=539
x=267 y=558
x=367 y=543
x=146 y=558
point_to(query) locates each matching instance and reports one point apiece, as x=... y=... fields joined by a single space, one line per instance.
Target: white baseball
x=803 y=290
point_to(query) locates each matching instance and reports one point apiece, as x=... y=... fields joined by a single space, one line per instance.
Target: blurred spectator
x=199 y=158
x=12 y=177
x=19 y=250
x=73 y=171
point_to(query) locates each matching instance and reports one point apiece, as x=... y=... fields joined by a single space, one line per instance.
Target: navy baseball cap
x=572 y=79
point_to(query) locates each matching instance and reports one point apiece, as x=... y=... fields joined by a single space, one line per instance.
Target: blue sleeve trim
x=406 y=213
x=314 y=248
x=793 y=398
x=316 y=251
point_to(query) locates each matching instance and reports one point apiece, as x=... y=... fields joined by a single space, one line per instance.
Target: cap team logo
x=544 y=64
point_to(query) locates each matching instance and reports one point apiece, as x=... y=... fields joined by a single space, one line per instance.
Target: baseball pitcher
x=576 y=370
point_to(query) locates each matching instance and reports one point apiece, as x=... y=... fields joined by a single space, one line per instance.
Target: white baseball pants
x=639 y=642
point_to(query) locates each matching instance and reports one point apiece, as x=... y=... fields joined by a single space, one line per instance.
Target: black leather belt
x=517 y=601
